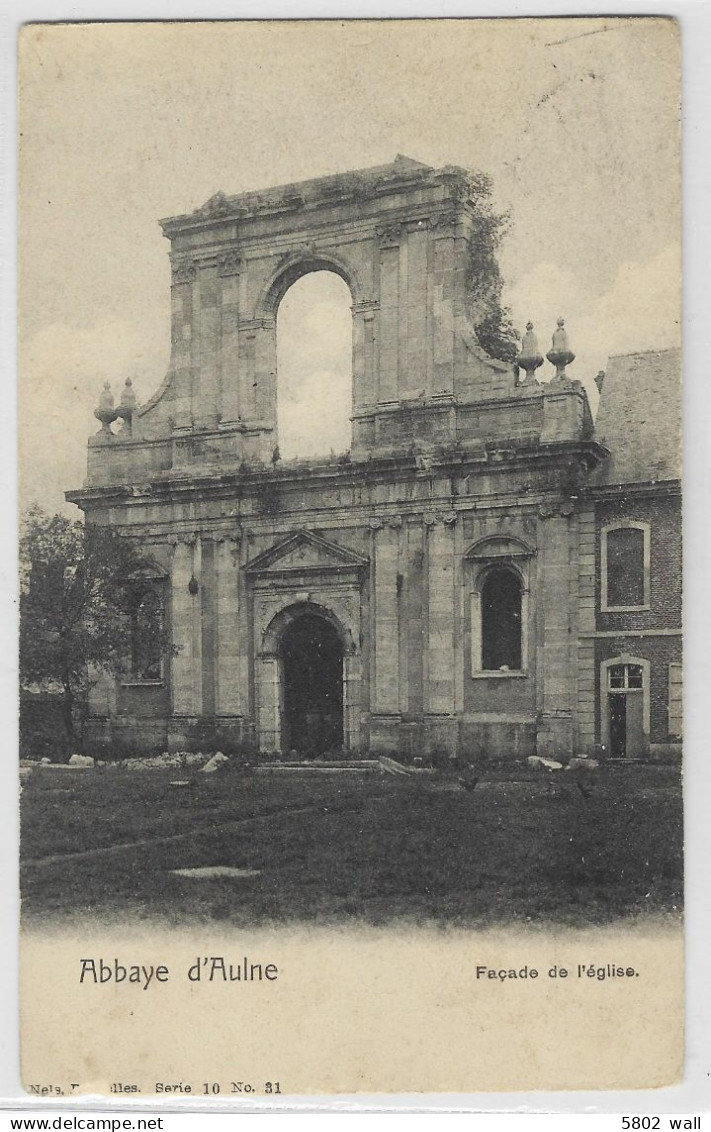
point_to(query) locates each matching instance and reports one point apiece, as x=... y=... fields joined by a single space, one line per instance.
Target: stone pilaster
x=186 y=666
x=184 y=276
x=207 y=400
x=585 y=697
x=230 y=350
x=229 y=689
x=443 y=300
x=388 y=322
x=414 y=617
x=268 y=693
x=386 y=691
x=352 y=699
x=555 y=733
x=414 y=316
x=265 y=364
x=208 y=626
x=364 y=315
x=441 y=666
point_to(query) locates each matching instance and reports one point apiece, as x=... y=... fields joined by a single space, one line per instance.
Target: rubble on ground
x=537 y=762
x=583 y=763
x=217 y=762
x=81 y=760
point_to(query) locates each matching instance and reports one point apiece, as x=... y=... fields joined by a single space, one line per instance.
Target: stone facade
x=464 y=502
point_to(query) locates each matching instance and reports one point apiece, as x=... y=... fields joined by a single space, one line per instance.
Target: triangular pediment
x=303 y=551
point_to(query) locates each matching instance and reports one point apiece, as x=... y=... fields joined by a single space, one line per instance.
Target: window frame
x=627 y=686
x=675 y=734
x=140 y=582
x=606 y=692
x=477 y=670
x=621 y=525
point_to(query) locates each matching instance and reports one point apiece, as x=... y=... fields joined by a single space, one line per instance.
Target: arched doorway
x=311 y=654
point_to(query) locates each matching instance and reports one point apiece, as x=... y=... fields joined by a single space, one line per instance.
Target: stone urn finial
x=529 y=357
x=106 y=413
x=560 y=354
x=127 y=406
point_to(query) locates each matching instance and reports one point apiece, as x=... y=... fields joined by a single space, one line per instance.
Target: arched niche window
x=146 y=609
x=315 y=366
x=499 y=607
x=625 y=554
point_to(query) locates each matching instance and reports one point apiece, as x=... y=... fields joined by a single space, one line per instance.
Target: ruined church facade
x=424 y=593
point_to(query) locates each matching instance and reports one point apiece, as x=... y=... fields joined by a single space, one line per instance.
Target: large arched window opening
x=147 y=628
x=314 y=367
x=502 y=574
x=501 y=622
x=144 y=602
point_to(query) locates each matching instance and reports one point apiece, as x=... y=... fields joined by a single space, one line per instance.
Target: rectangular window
x=625 y=561
x=676 y=701
x=623 y=677
x=501 y=622
x=625 y=567
x=147 y=627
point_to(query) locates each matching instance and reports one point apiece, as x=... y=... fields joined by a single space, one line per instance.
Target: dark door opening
x=618 y=726
x=626 y=726
x=312 y=657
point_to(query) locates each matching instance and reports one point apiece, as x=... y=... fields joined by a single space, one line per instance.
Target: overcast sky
x=575 y=120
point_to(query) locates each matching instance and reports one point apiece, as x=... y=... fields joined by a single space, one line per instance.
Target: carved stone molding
x=342 y=604
x=417 y=224
x=229 y=263
x=445 y=224
x=184 y=271
x=294 y=255
x=366 y=306
x=251 y=324
x=390 y=235
x=227 y=536
x=561 y=508
x=439 y=518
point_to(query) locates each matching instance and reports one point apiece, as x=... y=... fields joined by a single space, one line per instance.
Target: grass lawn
x=342 y=846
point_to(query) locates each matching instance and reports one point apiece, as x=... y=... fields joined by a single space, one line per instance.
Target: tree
x=76 y=606
x=495 y=332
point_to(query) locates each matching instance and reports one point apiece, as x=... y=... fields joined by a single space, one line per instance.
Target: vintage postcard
x=351 y=656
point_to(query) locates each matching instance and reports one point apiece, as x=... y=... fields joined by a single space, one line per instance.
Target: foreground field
x=104 y=843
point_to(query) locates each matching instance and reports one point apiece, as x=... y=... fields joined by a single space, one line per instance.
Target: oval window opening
x=314 y=367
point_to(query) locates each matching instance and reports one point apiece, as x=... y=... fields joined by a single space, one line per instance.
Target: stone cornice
x=611 y=491
x=449 y=185
x=400 y=468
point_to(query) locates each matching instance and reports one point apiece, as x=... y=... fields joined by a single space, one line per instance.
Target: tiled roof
x=639 y=418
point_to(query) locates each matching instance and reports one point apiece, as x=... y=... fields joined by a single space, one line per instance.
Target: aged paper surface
x=392 y=899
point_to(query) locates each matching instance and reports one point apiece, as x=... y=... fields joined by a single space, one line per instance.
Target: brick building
x=630 y=581
x=435 y=589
